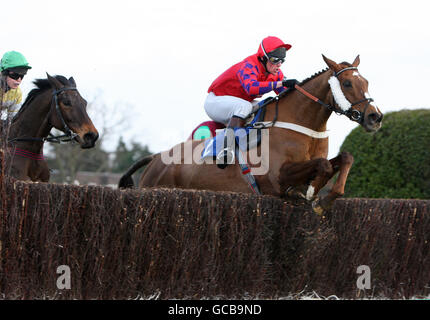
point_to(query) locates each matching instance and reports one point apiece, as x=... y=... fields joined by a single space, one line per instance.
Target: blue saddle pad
x=214 y=145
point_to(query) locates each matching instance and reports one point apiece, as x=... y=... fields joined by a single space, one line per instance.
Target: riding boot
x=226 y=155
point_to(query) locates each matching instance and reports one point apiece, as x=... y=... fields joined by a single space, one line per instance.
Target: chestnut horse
x=298 y=143
x=54 y=103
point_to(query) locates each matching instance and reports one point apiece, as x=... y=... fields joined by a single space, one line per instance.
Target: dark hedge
x=393 y=162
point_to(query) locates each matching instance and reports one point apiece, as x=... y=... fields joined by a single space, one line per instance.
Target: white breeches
x=222 y=108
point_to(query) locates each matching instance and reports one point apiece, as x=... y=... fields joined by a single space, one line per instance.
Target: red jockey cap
x=269 y=44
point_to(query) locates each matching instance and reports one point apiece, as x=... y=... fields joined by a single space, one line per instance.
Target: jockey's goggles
x=15 y=76
x=275 y=60
x=272 y=59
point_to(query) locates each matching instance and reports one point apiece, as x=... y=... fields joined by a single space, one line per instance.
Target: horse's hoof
x=294 y=194
x=317 y=208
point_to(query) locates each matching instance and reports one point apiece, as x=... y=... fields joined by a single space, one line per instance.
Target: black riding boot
x=226 y=156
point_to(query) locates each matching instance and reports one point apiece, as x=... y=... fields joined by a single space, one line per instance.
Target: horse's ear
x=356 y=61
x=72 y=81
x=331 y=64
x=54 y=82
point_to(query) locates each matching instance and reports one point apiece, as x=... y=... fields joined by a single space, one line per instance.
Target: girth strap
x=294 y=127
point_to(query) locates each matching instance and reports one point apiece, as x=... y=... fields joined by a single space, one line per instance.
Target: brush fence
x=90 y=242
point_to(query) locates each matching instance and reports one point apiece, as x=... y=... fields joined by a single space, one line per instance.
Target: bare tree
x=66 y=160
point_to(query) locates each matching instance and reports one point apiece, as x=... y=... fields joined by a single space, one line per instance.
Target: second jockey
x=13 y=68
x=231 y=96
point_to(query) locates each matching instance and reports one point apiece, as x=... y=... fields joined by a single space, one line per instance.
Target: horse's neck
x=299 y=109
x=33 y=123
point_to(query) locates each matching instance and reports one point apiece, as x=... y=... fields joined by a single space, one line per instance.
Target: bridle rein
x=352 y=114
x=69 y=134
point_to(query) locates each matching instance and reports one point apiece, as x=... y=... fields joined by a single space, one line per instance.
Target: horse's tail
x=126 y=180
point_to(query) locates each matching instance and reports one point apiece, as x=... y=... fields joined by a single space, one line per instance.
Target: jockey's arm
x=249 y=81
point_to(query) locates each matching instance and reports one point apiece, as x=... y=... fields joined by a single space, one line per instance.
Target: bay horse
x=298 y=143
x=54 y=103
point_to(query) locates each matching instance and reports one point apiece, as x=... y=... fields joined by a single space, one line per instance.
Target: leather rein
x=352 y=114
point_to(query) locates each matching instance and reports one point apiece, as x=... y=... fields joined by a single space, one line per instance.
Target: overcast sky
x=156 y=59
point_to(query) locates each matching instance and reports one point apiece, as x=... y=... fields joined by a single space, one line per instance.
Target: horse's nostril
x=91 y=136
x=375 y=117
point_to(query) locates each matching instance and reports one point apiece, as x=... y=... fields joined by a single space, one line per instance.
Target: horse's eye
x=347 y=84
x=67 y=103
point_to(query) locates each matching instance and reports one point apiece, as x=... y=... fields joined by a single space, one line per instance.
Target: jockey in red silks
x=231 y=95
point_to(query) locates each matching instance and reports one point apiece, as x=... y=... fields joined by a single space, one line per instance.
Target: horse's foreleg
x=341 y=163
x=312 y=175
x=40 y=171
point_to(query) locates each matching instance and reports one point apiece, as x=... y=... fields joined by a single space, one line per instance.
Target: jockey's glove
x=290 y=83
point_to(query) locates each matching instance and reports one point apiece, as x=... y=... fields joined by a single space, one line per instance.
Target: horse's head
x=350 y=92
x=68 y=112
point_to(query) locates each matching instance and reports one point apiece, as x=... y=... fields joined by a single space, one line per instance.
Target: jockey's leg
x=226 y=156
x=230 y=111
x=223 y=108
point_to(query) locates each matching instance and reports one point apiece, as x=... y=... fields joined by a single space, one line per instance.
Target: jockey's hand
x=290 y=83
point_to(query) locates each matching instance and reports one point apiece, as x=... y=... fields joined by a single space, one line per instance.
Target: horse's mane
x=313 y=76
x=41 y=86
x=283 y=93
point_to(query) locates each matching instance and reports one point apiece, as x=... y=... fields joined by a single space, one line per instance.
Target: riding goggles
x=272 y=59
x=275 y=60
x=16 y=76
